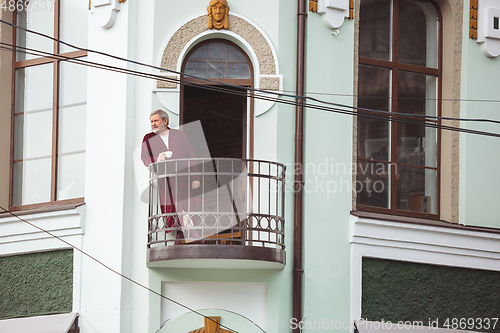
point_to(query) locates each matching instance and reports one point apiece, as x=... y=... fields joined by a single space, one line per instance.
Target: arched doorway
x=222 y=110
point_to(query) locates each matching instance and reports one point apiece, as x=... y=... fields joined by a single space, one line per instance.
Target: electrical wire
x=235 y=86
x=242 y=91
x=111 y=269
x=248 y=92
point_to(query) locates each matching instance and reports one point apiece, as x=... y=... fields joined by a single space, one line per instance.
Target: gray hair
x=161 y=113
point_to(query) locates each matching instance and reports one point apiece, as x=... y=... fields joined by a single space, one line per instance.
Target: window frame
x=41 y=60
x=395 y=67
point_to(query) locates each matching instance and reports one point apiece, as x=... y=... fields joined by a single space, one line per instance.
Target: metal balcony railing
x=213 y=205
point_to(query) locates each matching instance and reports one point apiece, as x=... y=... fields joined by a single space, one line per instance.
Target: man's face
x=157 y=124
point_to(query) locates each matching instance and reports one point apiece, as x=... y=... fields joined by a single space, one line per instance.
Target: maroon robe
x=175 y=193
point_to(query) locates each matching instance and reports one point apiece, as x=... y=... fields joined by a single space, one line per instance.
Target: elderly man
x=164 y=144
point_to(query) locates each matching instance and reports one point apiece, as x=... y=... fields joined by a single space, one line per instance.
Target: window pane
x=419 y=145
x=373 y=91
x=217 y=70
x=72 y=121
x=197 y=68
x=233 y=54
x=32 y=181
x=418 y=191
x=417 y=95
x=217 y=51
x=375 y=29
x=73 y=85
x=373 y=184
x=238 y=71
x=34 y=88
x=199 y=54
x=74 y=22
x=71 y=176
x=33 y=135
x=38 y=20
x=418 y=34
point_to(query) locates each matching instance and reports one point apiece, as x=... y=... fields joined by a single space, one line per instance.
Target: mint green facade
x=351 y=259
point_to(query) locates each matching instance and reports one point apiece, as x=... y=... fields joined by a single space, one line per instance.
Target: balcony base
x=216 y=256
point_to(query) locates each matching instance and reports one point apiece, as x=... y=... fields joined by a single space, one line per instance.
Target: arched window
x=399 y=72
x=218 y=60
x=223 y=110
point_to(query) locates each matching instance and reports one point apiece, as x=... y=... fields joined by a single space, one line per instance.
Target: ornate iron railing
x=217 y=201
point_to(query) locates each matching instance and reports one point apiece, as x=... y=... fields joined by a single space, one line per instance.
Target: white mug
x=168 y=154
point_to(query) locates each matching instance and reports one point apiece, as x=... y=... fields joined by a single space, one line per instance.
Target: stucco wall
x=403 y=291
x=36 y=284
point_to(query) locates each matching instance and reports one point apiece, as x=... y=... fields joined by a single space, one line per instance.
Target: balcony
x=234 y=218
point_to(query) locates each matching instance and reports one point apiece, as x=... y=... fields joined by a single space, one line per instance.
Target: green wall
x=402 y=291
x=36 y=284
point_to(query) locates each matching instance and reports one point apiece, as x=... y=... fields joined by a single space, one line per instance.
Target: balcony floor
x=216 y=256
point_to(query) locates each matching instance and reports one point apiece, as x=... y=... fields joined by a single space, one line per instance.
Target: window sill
x=420 y=221
x=50 y=207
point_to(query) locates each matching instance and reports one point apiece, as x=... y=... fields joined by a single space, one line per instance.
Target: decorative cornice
x=473 y=19
x=333 y=11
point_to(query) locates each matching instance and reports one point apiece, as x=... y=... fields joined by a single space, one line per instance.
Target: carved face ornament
x=218 y=14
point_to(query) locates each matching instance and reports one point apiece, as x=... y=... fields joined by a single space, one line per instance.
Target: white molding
x=18 y=237
x=104 y=12
x=417 y=243
x=487 y=36
x=333 y=12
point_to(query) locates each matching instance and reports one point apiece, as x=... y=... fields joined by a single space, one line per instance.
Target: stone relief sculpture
x=218 y=14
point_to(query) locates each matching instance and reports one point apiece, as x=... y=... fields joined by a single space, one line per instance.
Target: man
x=165 y=144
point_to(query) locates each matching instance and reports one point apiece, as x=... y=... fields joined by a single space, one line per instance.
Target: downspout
x=298 y=166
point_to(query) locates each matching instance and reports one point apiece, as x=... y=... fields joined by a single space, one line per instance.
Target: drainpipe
x=298 y=167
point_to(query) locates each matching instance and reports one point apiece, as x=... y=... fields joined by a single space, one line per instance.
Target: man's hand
x=195 y=184
x=161 y=157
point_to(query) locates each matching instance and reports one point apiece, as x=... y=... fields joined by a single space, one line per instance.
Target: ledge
x=421 y=221
x=216 y=256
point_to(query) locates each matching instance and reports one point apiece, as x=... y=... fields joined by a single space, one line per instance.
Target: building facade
x=371 y=200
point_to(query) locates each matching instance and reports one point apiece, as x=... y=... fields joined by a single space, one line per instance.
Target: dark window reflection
x=375 y=29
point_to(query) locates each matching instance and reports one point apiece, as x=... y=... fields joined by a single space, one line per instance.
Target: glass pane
x=217 y=70
x=217 y=51
x=200 y=53
x=373 y=184
x=74 y=22
x=375 y=29
x=418 y=34
x=73 y=86
x=196 y=68
x=71 y=176
x=238 y=71
x=33 y=135
x=417 y=96
x=417 y=190
x=72 y=121
x=38 y=17
x=34 y=88
x=373 y=89
x=233 y=54
x=417 y=147
x=32 y=181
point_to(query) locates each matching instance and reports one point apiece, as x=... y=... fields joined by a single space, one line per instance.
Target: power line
x=112 y=270
x=242 y=91
x=247 y=88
